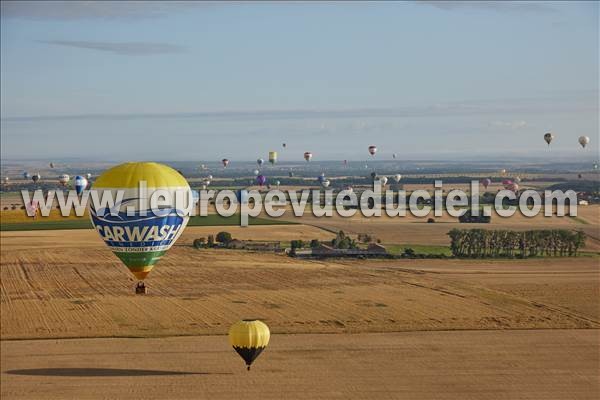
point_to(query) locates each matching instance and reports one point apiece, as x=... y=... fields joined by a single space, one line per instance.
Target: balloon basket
x=140 y=288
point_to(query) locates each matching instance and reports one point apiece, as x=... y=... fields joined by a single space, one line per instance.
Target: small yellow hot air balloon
x=249 y=337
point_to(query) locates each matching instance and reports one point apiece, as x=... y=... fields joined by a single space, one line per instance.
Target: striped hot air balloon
x=138 y=235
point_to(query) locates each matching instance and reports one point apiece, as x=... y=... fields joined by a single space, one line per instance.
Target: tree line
x=483 y=243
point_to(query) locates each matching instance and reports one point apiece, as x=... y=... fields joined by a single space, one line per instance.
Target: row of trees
x=481 y=243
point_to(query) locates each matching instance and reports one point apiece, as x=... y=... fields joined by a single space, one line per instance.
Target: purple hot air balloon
x=507 y=182
x=486 y=182
x=261 y=180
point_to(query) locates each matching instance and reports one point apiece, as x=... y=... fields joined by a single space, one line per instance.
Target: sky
x=202 y=81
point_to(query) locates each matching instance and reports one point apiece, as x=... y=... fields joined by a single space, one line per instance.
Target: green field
x=85 y=223
x=397 y=249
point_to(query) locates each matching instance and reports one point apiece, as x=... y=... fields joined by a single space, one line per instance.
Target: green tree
x=224 y=237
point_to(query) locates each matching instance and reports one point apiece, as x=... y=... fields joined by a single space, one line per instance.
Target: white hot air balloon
x=88 y=176
x=325 y=183
x=256 y=172
x=383 y=180
x=64 y=179
x=584 y=141
x=397 y=178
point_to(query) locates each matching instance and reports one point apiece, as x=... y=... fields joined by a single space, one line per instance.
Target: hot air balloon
x=579 y=176
x=383 y=180
x=325 y=183
x=64 y=179
x=225 y=162
x=80 y=184
x=308 y=156
x=209 y=177
x=486 y=182
x=284 y=145
x=394 y=156
x=206 y=182
x=345 y=162
x=372 y=150
x=88 y=176
x=321 y=177
x=26 y=175
x=260 y=162
x=249 y=338
x=595 y=165
x=139 y=237
x=517 y=179
x=507 y=182
x=513 y=187
x=291 y=174
x=397 y=178
x=548 y=137
x=272 y=157
x=584 y=141
x=277 y=183
x=51 y=165
x=261 y=180
x=6 y=179
x=373 y=175
x=256 y=172
x=502 y=171
x=35 y=178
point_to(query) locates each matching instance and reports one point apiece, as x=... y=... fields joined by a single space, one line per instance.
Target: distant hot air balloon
x=284 y=145
x=261 y=180
x=579 y=176
x=548 y=137
x=80 y=184
x=397 y=178
x=249 y=338
x=308 y=156
x=325 y=183
x=486 y=182
x=394 y=156
x=206 y=182
x=595 y=166
x=26 y=175
x=383 y=180
x=372 y=150
x=502 y=172
x=584 y=141
x=140 y=237
x=225 y=162
x=209 y=177
x=517 y=179
x=35 y=177
x=277 y=183
x=256 y=172
x=64 y=179
x=507 y=182
x=260 y=162
x=51 y=165
x=6 y=179
x=202 y=167
x=345 y=162
x=373 y=175
x=272 y=157
x=291 y=174
x=88 y=176
x=513 y=187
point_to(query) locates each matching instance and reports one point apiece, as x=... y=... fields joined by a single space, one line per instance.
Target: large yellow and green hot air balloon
x=249 y=337
x=136 y=234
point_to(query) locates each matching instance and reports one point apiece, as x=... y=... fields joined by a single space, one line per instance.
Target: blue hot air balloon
x=80 y=184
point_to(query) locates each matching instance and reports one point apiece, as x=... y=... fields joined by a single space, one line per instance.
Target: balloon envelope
x=261 y=180
x=272 y=157
x=584 y=141
x=80 y=184
x=372 y=150
x=308 y=155
x=548 y=138
x=249 y=338
x=137 y=235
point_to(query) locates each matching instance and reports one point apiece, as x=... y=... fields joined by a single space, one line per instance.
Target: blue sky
x=185 y=81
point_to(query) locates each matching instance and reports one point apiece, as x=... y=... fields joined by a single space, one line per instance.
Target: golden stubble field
x=71 y=326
